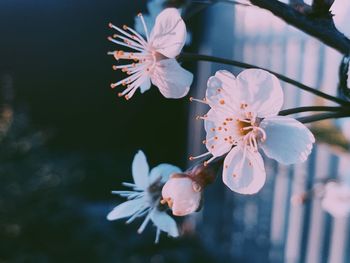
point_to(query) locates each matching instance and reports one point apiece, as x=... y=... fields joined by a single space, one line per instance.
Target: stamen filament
x=199 y=156
x=144 y=26
x=136 y=36
x=134 y=43
x=124 y=44
x=198 y=100
x=144 y=223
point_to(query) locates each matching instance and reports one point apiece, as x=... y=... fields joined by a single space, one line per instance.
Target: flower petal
x=218 y=140
x=146 y=85
x=261 y=91
x=336 y=199
x=244 y=173
x=164 y=222
x=287 y=140
x=172 y=80
x=169 y=33
x=221 y=91
x=126 y=209
x=140 y=170
x=164 y=171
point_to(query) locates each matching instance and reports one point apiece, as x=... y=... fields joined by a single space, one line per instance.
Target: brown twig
x=318 y=25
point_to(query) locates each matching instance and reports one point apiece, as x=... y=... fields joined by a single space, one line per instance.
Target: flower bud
x=182 y=194
x=336 y=199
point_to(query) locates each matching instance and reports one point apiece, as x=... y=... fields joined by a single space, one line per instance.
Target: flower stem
x=199 y=57
x=220 y=1
x=324 y=116
x=311 y=108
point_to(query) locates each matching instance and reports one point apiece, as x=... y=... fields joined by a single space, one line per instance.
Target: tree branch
x=324 y=116
x=315 y=24
x=310 y=108
x=198 y=57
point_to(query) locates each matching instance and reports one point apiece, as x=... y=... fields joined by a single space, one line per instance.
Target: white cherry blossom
x=153 y=59
x=154 y=8
x=243 y=119
x=145 y=195
x=336 y=200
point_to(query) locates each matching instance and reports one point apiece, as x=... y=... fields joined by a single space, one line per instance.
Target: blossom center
x=248 y=128
x=143 y=58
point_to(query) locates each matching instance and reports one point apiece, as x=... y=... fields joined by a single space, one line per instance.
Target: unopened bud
x=182 y=194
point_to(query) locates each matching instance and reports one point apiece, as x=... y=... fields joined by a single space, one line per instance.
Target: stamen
x=126 y=66
x=262 y=132
x=199 y=156
x=197 y=100
x=128 y=41
x=157 y=236
x=204 y=117
x=208 y=161
x=144 y=25
x=127 y=80
x=136 y=36
x=125 y=44
x=144 y=223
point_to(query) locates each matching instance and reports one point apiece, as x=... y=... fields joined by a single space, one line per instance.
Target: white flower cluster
x=242 y=119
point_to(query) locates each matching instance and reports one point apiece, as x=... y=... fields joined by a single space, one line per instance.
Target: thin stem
x=310 y=108
x=324 y=116
x=220 y=1
x=343 y=78
x=321 y=27
x=198 y=57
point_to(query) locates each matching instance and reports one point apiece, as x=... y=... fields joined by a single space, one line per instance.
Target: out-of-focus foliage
x=328 y=133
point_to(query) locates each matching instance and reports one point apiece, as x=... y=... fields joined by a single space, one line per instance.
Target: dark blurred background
x=67 y=140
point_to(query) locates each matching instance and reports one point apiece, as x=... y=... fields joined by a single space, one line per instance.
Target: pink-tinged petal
x=244 y=173
x=184 y=198
x=146 y=85
x=126 y=209
x=164 y=222
x=219 y=93
x=261 y=91
x=171 y=79
x=169 y=33
x=140 y=170
x=288 y=141
x=223 y=79
x=336 y=199
x=219 y=137
x=163 y=171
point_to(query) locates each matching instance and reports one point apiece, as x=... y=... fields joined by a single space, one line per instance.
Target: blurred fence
x=266 y=227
